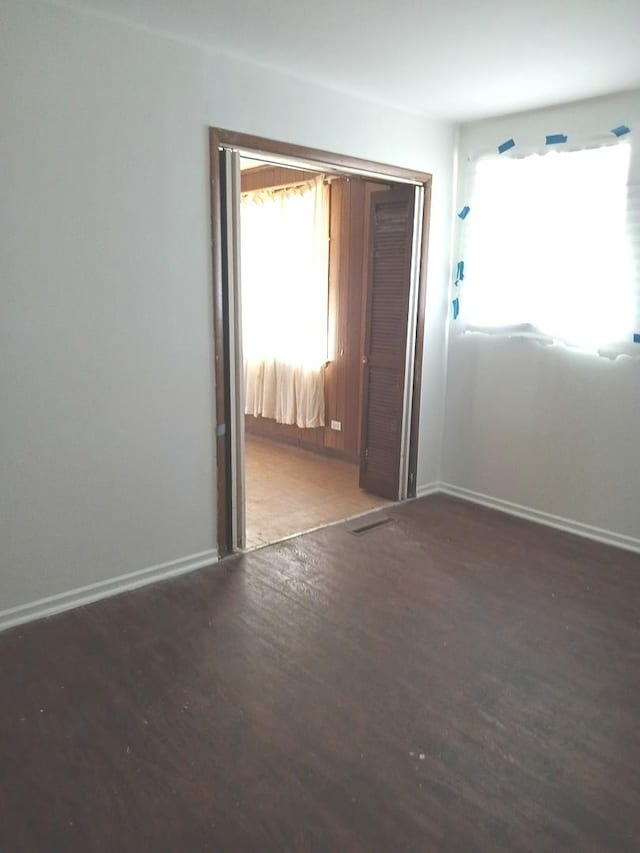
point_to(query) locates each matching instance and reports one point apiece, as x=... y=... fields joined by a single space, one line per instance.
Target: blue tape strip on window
x=556 y=138
x=456 y=308
x=460 y=271
x=464 y=212
x=620 y=130
x=506 y=146
x=636 y=338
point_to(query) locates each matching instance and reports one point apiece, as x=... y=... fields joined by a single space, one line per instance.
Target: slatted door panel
x=390 y=246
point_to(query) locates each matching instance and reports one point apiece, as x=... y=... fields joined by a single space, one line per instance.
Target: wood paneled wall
x=263 y=177
x=348 y=247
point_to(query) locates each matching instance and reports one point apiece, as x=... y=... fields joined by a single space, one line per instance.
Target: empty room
x=303 y=249
x=319 y=426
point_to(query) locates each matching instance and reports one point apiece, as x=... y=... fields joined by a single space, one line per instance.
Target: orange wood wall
x=348 y=231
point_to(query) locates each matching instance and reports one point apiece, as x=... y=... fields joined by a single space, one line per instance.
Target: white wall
x=106 y=451
x=547 y=428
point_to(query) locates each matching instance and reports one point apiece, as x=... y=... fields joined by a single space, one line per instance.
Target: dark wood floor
x=455 y=681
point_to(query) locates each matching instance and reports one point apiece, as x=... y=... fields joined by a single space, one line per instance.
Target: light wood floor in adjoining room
x=289 y=490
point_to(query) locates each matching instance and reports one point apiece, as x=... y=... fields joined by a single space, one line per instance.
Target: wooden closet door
x=384 y=361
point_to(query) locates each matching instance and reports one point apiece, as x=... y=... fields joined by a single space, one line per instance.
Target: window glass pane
x=548 y=246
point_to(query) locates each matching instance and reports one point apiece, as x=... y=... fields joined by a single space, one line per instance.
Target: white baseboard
x=428 y=489
x=103 y=589
x=609 y=537
x=123 y=583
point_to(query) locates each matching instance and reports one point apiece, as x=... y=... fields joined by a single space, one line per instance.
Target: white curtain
x=547 y=245
x=285 y=283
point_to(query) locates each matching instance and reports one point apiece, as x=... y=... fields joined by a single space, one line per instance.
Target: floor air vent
x=366 y=528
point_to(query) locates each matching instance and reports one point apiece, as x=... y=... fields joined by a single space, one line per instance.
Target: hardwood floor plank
x=454 y=680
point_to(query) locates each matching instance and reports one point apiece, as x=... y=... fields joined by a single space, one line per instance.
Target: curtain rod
x=293 y=184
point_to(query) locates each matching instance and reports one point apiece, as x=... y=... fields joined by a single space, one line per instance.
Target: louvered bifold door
x=384 y=361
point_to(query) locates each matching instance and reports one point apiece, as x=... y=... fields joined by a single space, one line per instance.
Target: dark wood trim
x=219 y=138
x=231 y=138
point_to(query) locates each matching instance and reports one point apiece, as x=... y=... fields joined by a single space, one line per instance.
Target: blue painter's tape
x=464 y=212
x=636 y=338
x=456 y=308
x=506 y=146
x=620 y=130
x=460 y=271
x=556 y=138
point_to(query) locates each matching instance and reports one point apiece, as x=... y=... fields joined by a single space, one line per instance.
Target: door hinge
x=366 y=453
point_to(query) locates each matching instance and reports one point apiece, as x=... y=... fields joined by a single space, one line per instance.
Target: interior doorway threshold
x=357 y=516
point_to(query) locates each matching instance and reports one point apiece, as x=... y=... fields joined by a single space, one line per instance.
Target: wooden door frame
x=220 y=138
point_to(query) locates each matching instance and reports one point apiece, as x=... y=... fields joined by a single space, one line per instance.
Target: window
x=285 y=276
x=547 y=245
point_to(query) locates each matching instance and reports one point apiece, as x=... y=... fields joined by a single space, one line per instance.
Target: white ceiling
x=451 y=59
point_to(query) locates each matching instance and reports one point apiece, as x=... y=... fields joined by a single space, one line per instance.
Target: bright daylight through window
x=547 y=244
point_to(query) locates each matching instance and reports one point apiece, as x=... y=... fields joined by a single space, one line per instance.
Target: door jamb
x=218 y=139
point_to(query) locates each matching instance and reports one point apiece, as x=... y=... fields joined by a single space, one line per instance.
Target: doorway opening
x=319 y=273
x=302 y=247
